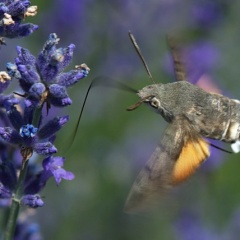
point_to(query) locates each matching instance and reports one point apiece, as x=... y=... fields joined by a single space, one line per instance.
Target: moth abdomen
x=232 y=132
x=224 y=119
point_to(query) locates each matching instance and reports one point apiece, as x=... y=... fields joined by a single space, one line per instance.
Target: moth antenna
x=137 y=48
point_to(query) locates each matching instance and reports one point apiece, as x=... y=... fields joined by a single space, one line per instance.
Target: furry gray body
x=213 y=115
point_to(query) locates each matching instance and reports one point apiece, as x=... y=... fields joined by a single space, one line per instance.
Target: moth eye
x=155 y=102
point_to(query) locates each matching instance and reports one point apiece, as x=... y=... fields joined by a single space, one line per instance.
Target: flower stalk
x=14 y=210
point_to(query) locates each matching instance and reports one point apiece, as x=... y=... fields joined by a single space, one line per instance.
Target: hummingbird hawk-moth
x=193 y=114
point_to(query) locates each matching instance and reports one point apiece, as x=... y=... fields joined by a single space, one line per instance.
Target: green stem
x=14 y=210
x=37 y=116
x=4 y=218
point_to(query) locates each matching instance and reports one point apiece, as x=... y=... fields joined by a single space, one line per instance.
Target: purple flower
x=12 y=13
x=42 y=78
x=12 y=136
x=53 y=167
x=33 y=201
x=26 y=135
x=45 y=148
x=6 y=101
x=28 y=131
x=22 y=120
x=52 y=126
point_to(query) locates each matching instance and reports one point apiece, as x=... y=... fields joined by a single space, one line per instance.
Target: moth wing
x=178 y=65
x=176 y=158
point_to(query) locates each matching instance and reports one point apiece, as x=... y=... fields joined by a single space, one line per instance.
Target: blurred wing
x=179 y=70
x=179 y=154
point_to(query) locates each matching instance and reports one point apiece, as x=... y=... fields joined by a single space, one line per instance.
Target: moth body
x=193 y=115
x=212 y=115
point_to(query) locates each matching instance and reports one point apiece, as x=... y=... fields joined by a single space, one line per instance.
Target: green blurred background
x=112 y=144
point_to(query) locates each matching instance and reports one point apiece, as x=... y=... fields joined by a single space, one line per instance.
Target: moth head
x=148 y=95
x=154 y=102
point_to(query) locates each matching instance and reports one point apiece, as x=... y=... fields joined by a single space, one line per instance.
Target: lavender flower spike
x=12 y=13
x=42 y=78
